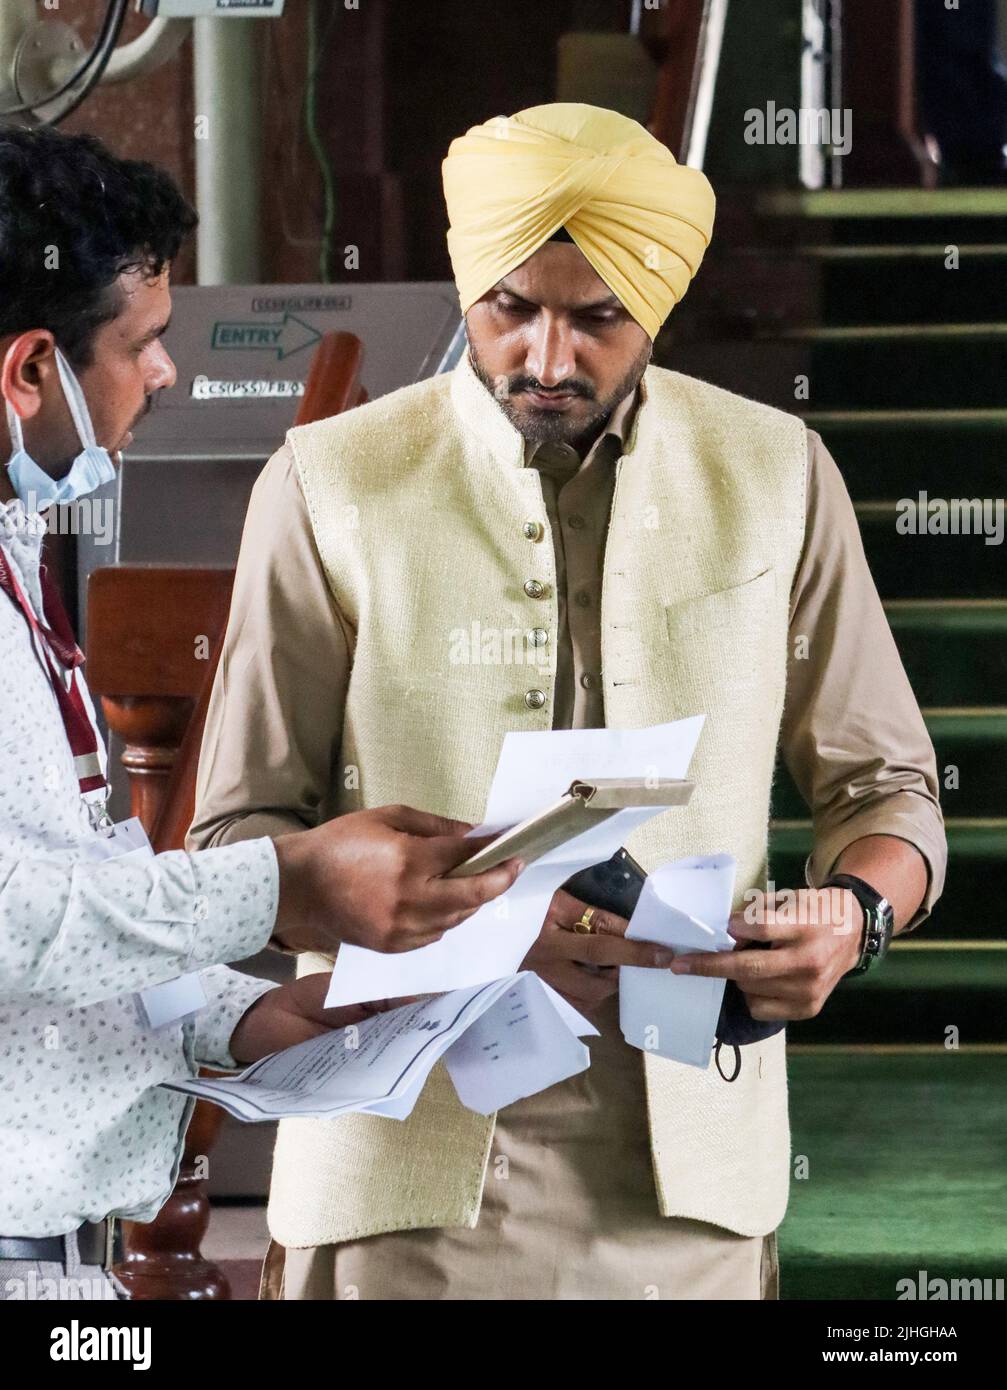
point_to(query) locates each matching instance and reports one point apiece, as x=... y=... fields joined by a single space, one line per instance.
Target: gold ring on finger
x=583 y=924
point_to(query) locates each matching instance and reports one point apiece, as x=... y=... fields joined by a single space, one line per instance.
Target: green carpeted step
x=921 y=990
x=748 y=291
x=888 y=215
x=905 y=1171
x=911 y=284
x=898 y=453
x=919 y=365
x=971 y=748
x=954 y=650
x=843 y=285
x=977 y=860
x=950 y=367
x=911 y=564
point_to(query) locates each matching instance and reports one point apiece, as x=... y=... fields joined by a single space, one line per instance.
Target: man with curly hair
x=89 y=1134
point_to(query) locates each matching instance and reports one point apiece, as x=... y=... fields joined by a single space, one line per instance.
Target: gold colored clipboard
x=587 y=803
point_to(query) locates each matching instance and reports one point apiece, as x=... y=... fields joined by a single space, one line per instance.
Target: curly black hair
x=73 y=217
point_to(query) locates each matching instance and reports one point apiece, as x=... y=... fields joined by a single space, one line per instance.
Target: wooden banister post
x=156 y=632
x=151 y=728
x=162 y=1258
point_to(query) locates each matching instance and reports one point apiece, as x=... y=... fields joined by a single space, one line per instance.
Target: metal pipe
x=156 y=45
x=229 y=116
x=704 y=81
x=159 y=42
x=836 y=76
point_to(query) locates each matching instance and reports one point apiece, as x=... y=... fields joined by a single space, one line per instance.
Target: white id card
x=162 y=1005
x=128 y=837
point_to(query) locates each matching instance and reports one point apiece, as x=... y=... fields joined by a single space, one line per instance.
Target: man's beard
x=555 y=427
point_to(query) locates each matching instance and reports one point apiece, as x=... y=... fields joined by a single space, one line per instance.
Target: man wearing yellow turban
x=642 y=220
x=658 y=546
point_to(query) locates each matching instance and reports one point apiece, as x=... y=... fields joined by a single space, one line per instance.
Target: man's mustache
x=572 y=387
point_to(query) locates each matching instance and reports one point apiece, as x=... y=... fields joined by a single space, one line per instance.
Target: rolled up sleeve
x=852 y=735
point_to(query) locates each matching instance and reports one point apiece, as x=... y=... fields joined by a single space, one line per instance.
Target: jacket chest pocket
x=740 y=608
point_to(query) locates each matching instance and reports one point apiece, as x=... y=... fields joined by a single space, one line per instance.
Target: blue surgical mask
x=90 y=469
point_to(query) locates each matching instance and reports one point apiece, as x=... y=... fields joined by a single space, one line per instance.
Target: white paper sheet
x=501 y=1041
x=534 y=770
x=528 y=1040
x=684 y=905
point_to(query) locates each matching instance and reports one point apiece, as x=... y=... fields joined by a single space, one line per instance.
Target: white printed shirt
x=85 y=1129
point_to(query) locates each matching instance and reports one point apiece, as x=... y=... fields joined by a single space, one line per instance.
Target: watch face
x=881 y=921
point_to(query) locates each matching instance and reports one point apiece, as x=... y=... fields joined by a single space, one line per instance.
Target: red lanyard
x=58 y=640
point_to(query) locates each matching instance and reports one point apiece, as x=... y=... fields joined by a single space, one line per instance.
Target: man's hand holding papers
x=376 y=879
x=534 y=770
x=294 y=1013
x=582 y=966
x=499 y=1041
x=570 y=798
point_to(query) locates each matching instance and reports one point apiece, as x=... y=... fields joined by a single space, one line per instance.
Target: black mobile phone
x=613 y=886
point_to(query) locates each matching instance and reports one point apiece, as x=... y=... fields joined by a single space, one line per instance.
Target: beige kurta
x=569 y=1208
x=568 y=1212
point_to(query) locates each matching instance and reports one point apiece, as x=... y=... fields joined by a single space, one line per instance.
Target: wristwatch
x=879 y=920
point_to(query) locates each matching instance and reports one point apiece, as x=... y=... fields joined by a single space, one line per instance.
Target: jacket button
x=534 y=699
x=534 y=588
x=533 y=530
x=538 y=636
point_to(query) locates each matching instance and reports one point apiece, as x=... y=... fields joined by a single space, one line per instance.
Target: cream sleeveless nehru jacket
x=418 y=502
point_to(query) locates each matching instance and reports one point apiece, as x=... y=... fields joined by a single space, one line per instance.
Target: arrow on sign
x=283 y=336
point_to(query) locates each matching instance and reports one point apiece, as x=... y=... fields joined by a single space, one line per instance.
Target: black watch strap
x=879 y=919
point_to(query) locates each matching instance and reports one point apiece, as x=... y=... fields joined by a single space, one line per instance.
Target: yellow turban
x=642 y=219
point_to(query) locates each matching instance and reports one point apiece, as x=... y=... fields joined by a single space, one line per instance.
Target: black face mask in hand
x=615 y=886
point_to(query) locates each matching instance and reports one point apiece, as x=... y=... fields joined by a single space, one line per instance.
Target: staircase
x=903 y=1138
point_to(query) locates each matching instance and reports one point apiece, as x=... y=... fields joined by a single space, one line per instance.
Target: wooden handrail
x=333 y=383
